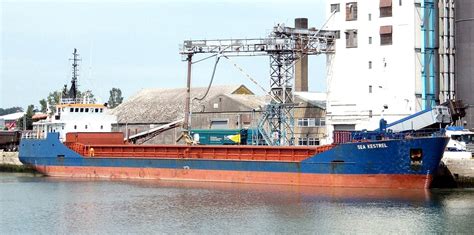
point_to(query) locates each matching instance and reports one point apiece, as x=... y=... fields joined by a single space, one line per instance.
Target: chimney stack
x=301 y=65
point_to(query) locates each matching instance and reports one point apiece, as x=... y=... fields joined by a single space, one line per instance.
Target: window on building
x=86 y=126
x=311 y=122
x=370 y=17
x=351 y=11
x=351 y=38
x=304 y=141
x=399 y=2
x=344 y=127
x=370 y=40
x=101 y=127
x=101 y=110
x=370 y=88
x=385 y=8
x=96 y=110
x=82 y=110
x=370 y=64
x=87 y=110
x=76 y=110
x=71 y=110
x=75 y=127
x=313 y=141
x=386 y=35
x=219 y=124
x=370 y=113
x=335 y=7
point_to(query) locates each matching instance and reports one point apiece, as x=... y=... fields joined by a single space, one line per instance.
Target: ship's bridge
x=78 y=115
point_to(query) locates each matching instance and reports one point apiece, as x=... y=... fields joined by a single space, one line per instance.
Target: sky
x=134 y=45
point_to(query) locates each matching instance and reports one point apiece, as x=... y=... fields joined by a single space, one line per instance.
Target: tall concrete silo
x=464 y=62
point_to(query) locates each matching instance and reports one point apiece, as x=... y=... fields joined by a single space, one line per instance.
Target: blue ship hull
x=407 y=163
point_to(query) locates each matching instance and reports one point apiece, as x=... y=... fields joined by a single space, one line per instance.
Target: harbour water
x=33 y=204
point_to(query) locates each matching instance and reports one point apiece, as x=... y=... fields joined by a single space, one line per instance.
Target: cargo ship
x=77 y=142
x=404 y=162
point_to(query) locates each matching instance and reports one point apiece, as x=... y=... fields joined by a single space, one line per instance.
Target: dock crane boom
x=284 y=46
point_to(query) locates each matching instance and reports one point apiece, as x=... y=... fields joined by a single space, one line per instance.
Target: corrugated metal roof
x=251 y=101
x=163 y=105
x=12 y=116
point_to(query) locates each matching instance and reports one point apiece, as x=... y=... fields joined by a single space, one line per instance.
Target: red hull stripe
x=320 y=180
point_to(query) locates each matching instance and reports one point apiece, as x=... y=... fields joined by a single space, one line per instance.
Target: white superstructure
x=76 y=116
x=376 y=70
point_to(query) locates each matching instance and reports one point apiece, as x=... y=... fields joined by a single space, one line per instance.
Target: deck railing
x=364 y=136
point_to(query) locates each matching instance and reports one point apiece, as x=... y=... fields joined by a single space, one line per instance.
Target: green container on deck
x=221 y=136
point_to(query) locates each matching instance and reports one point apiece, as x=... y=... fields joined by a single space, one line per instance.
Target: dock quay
x=462 y=171
x=9 y=162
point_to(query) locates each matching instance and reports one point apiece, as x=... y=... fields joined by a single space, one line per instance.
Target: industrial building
x=8 y=122
x=396 y=57
x=464 y=63
x=224 y=107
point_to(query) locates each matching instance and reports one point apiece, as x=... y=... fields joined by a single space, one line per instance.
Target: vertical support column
x=429 y=51
x=278 y=121
x=187 y=105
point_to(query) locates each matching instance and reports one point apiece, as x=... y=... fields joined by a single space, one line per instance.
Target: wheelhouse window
x=71 y=110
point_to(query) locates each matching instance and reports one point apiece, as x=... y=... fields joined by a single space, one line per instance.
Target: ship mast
x=73 y=91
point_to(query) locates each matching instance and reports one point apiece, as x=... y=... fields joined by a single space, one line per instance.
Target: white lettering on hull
x=371 y=146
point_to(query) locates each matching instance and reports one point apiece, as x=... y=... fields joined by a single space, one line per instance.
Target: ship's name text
x=372 y=146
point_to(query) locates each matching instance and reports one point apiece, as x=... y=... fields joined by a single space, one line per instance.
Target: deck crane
x=284 y=46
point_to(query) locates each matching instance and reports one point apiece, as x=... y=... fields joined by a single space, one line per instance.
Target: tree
x=29 y=118
x=87 y=94
x=54 y=98
x=115 y=97
x=44 y=106
x=10 y=110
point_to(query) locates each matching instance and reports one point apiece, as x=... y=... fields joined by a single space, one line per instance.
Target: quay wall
x=9 y=158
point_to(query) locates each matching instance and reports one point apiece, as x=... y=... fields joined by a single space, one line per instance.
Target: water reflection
x=61 y=205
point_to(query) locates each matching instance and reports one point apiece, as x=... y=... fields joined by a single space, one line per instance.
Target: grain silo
x=464 y=62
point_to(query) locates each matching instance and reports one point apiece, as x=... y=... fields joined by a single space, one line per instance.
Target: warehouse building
x=224 y=107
